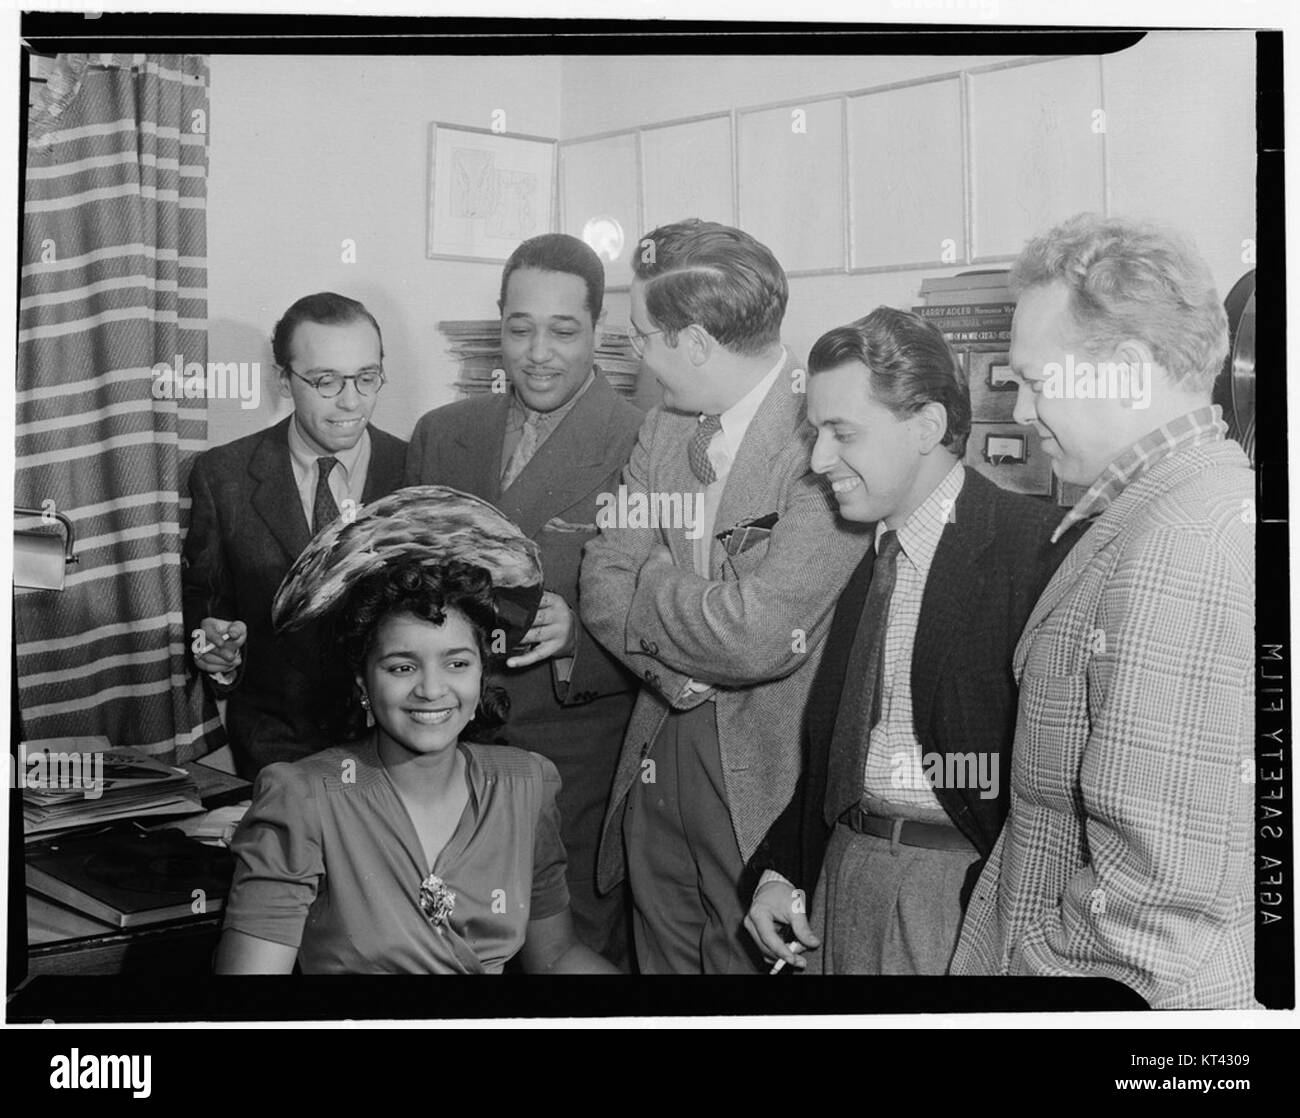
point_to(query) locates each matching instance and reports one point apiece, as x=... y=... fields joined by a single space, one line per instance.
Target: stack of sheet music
x=476 y=346
x=618 y=361
x=77 y=782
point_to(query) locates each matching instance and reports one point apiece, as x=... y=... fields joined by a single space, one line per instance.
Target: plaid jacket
x=1128 y=850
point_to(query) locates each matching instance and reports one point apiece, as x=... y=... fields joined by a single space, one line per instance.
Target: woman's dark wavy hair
x=427 y=592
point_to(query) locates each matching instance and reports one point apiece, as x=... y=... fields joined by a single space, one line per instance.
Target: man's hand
x=551 y=633
x=778 y=904
x=216 y=645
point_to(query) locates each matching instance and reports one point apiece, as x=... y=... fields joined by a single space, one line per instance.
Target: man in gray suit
x=713 y=578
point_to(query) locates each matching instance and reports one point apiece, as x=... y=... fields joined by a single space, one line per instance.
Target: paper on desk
x=214 y=828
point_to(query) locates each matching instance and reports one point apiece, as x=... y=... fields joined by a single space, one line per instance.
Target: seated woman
x=416 y=850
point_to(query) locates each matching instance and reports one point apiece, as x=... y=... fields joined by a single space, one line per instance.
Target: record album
x=1234 y=389
x=131 y=876
x=165 y=863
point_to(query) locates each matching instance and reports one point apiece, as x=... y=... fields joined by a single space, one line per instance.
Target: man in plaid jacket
x=1128 y=849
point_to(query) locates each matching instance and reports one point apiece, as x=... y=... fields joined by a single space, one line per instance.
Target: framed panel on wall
x=906 y=193
x=1037 y=140
x=600 y=200
x=686 y=171
x=791 y=195
x=488 y=192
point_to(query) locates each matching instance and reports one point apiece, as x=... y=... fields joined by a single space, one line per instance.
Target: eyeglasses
x=638 y=337
x=330 y=385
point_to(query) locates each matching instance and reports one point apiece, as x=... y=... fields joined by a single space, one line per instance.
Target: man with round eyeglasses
x=257 y=501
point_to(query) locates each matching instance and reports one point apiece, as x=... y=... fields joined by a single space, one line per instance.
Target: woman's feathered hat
x=428 y=523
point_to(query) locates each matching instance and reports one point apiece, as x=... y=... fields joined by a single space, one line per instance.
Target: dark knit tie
x=324 y=512
x=860 y=699
x=698 y=452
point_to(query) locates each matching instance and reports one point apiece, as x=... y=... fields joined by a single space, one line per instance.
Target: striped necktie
x=698 y=451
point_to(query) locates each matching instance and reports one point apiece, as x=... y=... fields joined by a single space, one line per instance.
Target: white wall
x=601 y=94
x=306 y=151
x=605 y=94
x=1180 y=119
x=1180 y=129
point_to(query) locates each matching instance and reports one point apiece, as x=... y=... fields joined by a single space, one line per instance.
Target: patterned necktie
x=324 y=511
x=860 y=699
x=529 y=439
x=698 y=451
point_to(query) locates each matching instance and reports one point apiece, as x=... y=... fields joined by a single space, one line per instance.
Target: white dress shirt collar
x=919 y=535
x=737 y=418
x=304 y=455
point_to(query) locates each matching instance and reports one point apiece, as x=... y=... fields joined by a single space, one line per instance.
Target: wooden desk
x=63 y=941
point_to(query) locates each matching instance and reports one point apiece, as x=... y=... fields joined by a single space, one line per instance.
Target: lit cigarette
x=776 y=969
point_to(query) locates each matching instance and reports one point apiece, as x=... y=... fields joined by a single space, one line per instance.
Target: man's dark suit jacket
x=992 y=562
x=247 y=526
x=555 y=500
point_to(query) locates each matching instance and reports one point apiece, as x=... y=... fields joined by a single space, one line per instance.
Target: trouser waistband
x=908 y=832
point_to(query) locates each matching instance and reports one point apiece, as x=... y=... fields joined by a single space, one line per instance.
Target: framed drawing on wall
x=488 y=192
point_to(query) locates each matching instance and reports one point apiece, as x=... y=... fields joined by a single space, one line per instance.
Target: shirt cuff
x=772 y=875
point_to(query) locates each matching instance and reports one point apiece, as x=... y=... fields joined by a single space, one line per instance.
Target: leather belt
x=908 y=832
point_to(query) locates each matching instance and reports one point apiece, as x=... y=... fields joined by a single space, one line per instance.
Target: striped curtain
x=114 y=282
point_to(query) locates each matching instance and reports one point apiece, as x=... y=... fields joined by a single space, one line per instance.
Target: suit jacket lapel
x=476 y=467
x=566 y=466
x=275 y=494
x=827 y=695
x=1104 y=529
x=387 y=466
x=672 y=474
x=746 y=489
x=1061 y=581
x=950 y=587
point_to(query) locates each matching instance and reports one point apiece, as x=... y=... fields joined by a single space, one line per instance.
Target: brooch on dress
x=436 y=900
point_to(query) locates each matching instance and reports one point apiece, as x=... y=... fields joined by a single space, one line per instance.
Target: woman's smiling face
x=424 y=680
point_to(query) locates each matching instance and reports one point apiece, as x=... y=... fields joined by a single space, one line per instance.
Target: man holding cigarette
x=910 y=719
x=255 y=503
